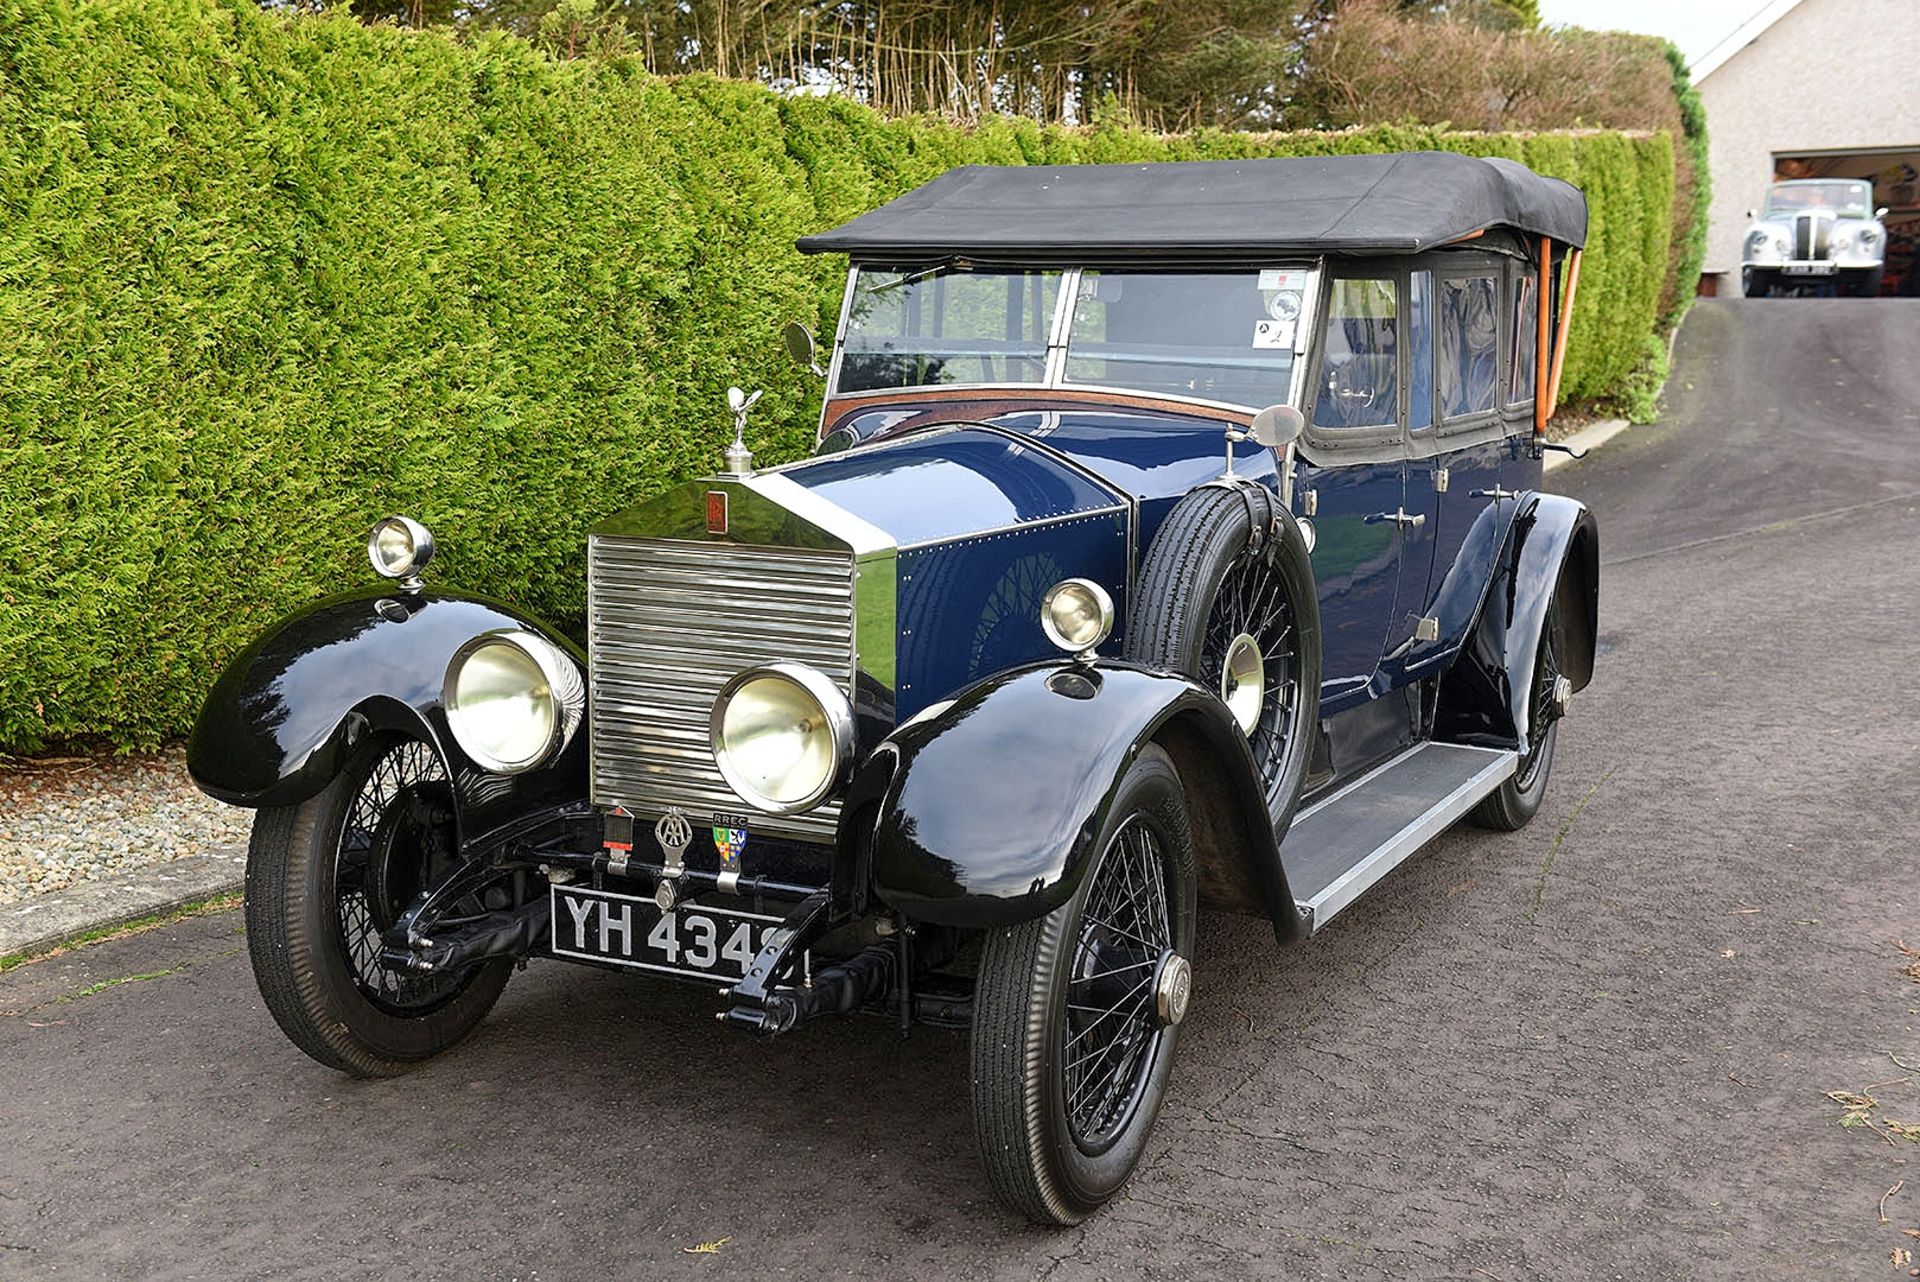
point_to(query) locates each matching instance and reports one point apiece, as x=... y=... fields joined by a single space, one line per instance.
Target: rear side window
x=1360 y=371
x=1469 y=338
x=1420 y=351
x=1526 y=338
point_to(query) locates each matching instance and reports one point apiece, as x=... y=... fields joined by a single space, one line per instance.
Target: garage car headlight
x=1076 y=615
x=783 y=736
x=399 y=548
x=512 y=700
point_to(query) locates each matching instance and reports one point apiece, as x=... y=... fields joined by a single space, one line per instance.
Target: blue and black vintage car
x=1174 y=540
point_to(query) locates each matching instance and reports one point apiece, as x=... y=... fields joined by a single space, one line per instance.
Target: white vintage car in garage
x=1815 y=232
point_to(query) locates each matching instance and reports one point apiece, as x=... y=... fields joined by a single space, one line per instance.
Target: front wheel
x=324 y=879
x=1076 y=1014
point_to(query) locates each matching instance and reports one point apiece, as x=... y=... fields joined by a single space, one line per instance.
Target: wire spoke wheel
x=326 y=877
x=1227 y=598
x=1543 y=710
x=388 y=850
x=1514 y=803
x=1076 y=1013
x=1250 y=653
x=1111 y=1029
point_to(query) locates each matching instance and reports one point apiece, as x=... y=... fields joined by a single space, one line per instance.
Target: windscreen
x=1220 y=336
x=1850 y=199
x=944 y=325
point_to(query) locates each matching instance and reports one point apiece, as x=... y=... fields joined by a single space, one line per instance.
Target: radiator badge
x=729 y=842
x=674 y=834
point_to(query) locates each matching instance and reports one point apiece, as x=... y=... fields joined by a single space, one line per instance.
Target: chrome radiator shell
x=674 y=612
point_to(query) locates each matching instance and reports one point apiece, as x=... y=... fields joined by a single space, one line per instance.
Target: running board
x=1342 y=844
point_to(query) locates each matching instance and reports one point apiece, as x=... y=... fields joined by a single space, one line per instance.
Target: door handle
x=1401 y=517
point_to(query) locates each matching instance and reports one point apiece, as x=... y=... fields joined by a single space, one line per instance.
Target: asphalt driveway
x=1601 y=1047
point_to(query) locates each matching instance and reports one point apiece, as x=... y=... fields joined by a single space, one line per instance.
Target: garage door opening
x=1895 y=174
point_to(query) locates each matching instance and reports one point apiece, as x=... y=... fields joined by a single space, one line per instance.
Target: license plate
x=1810 y=269
x=629 y=930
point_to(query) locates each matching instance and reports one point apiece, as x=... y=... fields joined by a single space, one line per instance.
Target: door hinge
x=1310 y=503
x=1426 y=629
x=1440 y=480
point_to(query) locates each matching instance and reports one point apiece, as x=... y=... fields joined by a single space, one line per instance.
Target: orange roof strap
x=1566 y=324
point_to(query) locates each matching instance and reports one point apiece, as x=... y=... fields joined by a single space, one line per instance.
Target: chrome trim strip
x=863 y=538
x=833 y=361
x=1056 y=366
x=1437 y=818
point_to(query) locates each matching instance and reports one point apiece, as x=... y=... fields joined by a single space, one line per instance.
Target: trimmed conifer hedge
x=264 y=279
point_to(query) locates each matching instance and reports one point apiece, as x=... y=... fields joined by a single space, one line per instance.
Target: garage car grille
x=1810 y=236
x=668 y=623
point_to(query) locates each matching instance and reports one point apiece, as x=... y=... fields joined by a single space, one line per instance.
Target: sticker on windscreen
x=1273 y=334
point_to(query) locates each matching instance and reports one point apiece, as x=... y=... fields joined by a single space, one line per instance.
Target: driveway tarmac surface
x=1598 y=1048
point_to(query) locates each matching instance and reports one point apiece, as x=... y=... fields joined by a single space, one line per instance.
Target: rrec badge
x=729 y=842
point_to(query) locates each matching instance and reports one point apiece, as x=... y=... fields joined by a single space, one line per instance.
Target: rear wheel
x=1514 y=803
x=324 y=879
x=1076 y=1015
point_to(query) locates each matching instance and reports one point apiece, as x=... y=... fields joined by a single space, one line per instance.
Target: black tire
x=1056 y=1140
x=1199 y=571
x=1867 y=284
x=1755 y=284
x=314 y=911
x=1512 y=805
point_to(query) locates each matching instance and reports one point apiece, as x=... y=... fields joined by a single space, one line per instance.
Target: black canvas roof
x=1379 y=204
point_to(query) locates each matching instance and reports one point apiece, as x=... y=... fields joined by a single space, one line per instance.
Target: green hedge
x=263 y=279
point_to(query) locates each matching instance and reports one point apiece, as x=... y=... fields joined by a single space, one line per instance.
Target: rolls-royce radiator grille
x=668 y=623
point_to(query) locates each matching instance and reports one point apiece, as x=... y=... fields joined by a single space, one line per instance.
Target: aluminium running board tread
x=1344 y=843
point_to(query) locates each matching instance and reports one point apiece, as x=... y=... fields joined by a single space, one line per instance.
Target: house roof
x=1398 y=203
x=1739 y=38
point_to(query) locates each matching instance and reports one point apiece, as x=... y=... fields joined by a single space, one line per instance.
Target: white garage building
x=1815 y=89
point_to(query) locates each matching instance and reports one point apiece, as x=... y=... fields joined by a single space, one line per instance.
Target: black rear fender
x=1550 y=559
x=989 y=808
x=286 y=712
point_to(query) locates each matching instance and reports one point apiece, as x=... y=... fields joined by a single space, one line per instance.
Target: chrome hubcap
x=1243 y=682
x=1172 y=988
x=1562 y=694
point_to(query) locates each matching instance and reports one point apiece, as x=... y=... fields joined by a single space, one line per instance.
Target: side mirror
x=1752 y=214
x=801 y=347
x=1880 y=212
x=1277 y=426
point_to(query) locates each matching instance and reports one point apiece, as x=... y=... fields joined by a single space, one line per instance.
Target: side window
x=1360 y=369
x=1469 y=337
x=1526 y=337
x=1420 y=351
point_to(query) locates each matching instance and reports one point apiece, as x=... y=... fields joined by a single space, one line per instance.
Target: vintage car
x=1815 y=234
x=1174 y=541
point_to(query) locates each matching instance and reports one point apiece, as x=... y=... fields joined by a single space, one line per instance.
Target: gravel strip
x=68 y=823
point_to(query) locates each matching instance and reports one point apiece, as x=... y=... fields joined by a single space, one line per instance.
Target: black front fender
x=990 y=807
x=1552 y=544
x=285 y=713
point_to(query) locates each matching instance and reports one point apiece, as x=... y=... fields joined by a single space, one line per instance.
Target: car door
x=1354 y=486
